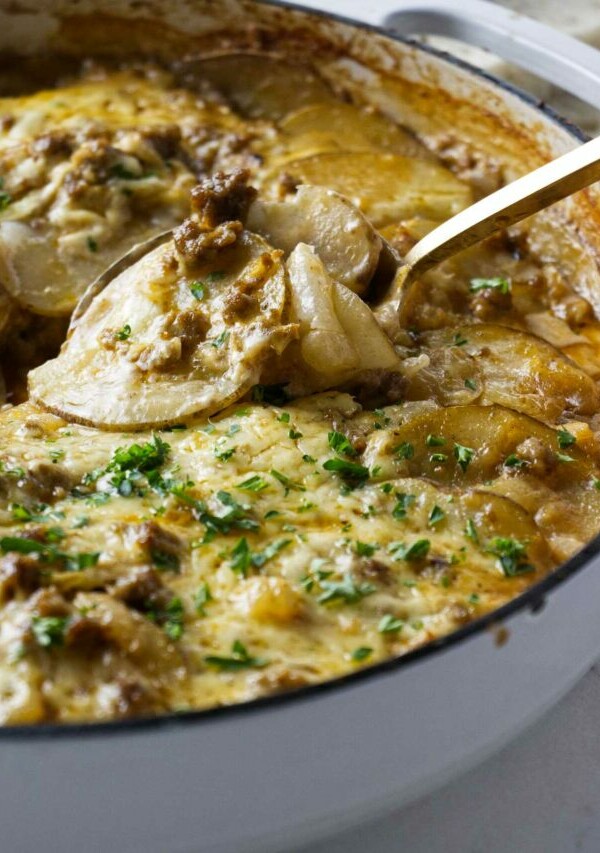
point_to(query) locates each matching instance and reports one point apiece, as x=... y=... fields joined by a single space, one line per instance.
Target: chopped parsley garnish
x=435 y=440
x=388 y=624
x=284 y=418
x=345 y=590
x=135 y=466
x=459 y=340
x=361 y=653
x=365 y=549
x=173 y=622
x=404 y=450
x=253 y=484
x=563 y=457
x=240 y=558
x=499 y=283
x=202 y=598
x=438 y=458
x=92 y=244
x=243 y=559
x=288 y=485
x=513 y=461
x=197 y=289
x=418 y=550
x=49 y=631
x=310 y=460
x=338 y=442
x=294 y=434
x=124 y=333
x=436 y=515
x=224 y=455
x=352 y=473
x=404 y=501
x=240 y=659
x=471 y=531
x=235 y=517
x=38 y=512
x=48 y=553
x=221 y=339
x=511 y=554
x=565 y=439
x=463 y=455
x=17 y=472
x=471 y=384
x=56 y=455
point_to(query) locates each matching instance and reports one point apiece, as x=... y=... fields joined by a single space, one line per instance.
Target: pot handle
x=558 y=58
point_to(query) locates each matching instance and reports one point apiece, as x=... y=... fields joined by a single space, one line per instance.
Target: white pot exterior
x=271 y=776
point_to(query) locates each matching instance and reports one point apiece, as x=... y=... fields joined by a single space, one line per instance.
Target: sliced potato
x=385 y=187
x=158 y=345
x=261 y=86
x=341 y=236
x=46 y=280
x=335 y=126
x=324 y=345
x=339 y=336
x=491 y=435
x=373 y=346
x=495 y=364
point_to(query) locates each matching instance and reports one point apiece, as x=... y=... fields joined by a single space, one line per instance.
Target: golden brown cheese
x=239 y=531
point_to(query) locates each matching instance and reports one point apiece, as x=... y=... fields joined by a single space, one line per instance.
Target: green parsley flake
x=404 y=502
x=288 y=485
x=221 y=339
x=49 y=631
x=418 y=550
x=513 y=461
x=198 y=290
x=511 y=554
x=471 y=531
x=435 y=440
x=240 y=659
x=499 y=283
x=388 y=624
x=405 y=450
x=202 y=598
x=124 y=333
x=361 y=653
x=565 y=439
x=463 y=455
x=253 y=484
x=436 y=515
x=345 y=590
x=364 y=549
x=338 y=442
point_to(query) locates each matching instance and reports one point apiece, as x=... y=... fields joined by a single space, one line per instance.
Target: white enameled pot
x=277 y=772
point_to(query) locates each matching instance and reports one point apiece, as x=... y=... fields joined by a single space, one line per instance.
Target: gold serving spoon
x=516 y=201
x=396 y=277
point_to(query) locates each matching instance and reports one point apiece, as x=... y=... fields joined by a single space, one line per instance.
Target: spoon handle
x=514 y=202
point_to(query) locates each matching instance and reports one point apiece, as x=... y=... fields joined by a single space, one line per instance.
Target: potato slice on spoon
x=183 y=331
x=344 y=239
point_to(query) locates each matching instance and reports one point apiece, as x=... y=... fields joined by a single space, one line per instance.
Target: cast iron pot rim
x=533 y=598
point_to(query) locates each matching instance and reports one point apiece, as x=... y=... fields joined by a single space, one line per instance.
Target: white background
x=542 y=793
